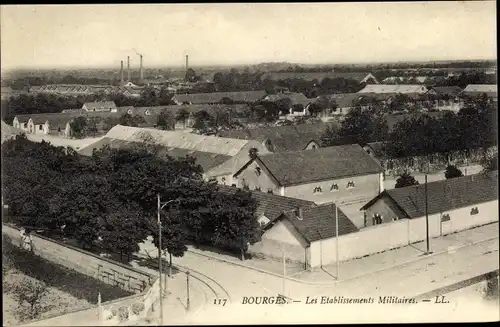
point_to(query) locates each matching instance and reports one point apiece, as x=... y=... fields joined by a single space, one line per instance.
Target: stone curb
x=342 y=280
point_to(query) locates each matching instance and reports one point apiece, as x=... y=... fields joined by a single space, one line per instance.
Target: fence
x=128 y=309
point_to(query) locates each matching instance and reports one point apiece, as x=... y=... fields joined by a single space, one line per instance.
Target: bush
x=123 y=313
x=452 y=172
x=30 y=292
x=137 y=308
x=406 y=180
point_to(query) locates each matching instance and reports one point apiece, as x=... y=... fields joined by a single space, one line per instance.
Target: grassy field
x=67 y=289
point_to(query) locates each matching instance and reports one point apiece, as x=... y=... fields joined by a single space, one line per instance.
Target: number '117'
x=220 y=301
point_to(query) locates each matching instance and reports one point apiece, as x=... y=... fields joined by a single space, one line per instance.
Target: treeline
x=26 y=82
x=110 y=199
x=475 y=126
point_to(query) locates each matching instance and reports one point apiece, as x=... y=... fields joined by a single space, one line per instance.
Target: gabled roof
x=386 y=88
x=283 y=138
x=301 y=167
x=206 y=160
x=171 y=139
x=271 y=205
x=318 y=223
x=448 y=90
x=216 y=97
x=443 y=195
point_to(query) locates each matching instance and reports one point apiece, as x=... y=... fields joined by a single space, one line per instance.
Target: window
x=474 y=211
x=350 y=184
x=258 y=171
x=59 y=129
x=314 y=146
x=445 y=217
x=25 y=125
x=147 y=112
x=40 y=127
x=270 y=191
x=223 y=179
x=334 y=187
x=257 y=188
x=233 y=185
x=377 y=219
x=94 y=109
x=317 y=189
x=212 y=179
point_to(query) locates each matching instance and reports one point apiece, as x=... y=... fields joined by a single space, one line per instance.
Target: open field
x=67 y=289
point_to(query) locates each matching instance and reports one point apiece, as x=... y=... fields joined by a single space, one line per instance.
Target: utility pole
x=159 y=259
x=284 y=268
x=426 y=217
x=337 y=238
x=187 y=285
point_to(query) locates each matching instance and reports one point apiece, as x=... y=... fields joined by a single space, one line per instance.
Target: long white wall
x=403 y=232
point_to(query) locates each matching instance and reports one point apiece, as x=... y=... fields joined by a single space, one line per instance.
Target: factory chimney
x=141 y=72
x=121 y=72
x=128 y=68
x=187 y=63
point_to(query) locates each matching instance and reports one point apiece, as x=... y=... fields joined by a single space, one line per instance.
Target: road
x=405 y=281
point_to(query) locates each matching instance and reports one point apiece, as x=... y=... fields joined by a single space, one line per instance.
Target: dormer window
x=147 y=112
x=258 y=171
x=350 y=184
x=317 y=190
x=334 y=187
x=223 y=180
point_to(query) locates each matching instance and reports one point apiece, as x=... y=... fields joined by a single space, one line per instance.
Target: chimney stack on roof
x=300 y=213
x=128 y=68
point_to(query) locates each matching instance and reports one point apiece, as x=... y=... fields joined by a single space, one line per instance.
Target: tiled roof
x=386 y=88
x=296 y=98
x=299 y=167
x=345 y=100
x=378 y=148
x=283 y=138
x=481 y=88
x=180 y=140
x=478 y=89
x=443 y=195
x=449 y=90
x=216 y=97
x=206 y=160
x=318 y=223
x=271 y=205
x=314 y=76
x=100 y=104
x=393 y=119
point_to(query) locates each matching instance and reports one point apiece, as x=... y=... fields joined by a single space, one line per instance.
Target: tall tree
x=182 y=115
x=166 y=120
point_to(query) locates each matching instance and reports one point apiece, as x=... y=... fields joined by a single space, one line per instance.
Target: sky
x=51 y=36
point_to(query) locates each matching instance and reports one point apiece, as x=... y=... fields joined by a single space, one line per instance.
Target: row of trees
x=109 y=199
x=52 y=103
x=473 y=127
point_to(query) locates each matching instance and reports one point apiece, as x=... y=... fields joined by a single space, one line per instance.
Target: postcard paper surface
x=249 y=163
